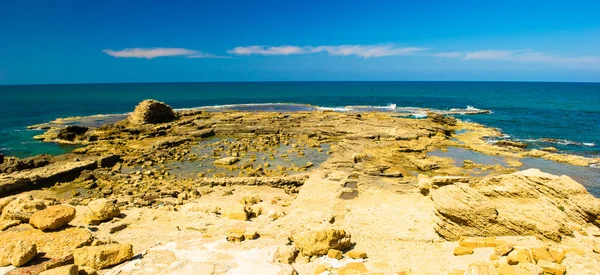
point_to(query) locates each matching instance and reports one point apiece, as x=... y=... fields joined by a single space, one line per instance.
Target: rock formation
x=151 y=111
x=529 y=202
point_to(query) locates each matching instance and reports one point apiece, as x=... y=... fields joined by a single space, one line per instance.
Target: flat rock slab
x=52 y=173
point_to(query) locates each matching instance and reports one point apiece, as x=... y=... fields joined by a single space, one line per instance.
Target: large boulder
x=17 y=253
x=318 y=242
x=529 y=202
x=101 y=210
x=98 y=257
x=151 y=111
x=53 y=217
x=22 y=208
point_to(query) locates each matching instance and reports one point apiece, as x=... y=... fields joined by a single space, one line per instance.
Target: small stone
x=62 y=270
x=285 y=254
x=513 y=257
x=250 y=200
x=235 y=235
x=102 y=210
x=250 y=234
x=551 y=268
x=226 y=161
x=53 y=217
x=98 y=257
x=557 y=254
x=468 y=242
x=355 y=254
x=237 y=212
x=459 y=251
x=335 y=254
x=17 y=253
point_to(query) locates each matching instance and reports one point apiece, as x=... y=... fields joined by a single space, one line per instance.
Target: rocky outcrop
x=50 y=174
x=53 y=217
x=17 y=253
x=512 y=204
x=319 y=242
x=102 y=210
x=11 y=165
x=70 y=133
x=53 y=244
x=151 y=111
x=510 y=143
x=98 y=257
x=442 y=119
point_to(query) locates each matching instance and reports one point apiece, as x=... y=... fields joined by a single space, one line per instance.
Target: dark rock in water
x=14 y=165
x=1 y=158
x=442 y=119
x=71 y=132
x=510 y=143
x=151 y=111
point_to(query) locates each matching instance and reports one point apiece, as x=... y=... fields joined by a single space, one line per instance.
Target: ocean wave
x=334 y=109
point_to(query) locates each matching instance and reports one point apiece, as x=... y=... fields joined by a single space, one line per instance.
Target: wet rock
x=53 y=217
x=17 y=253
x=70 y=133
x=510 y=204
x=442 y=119
x=510 y=143
x=98 y=257
x=22 y=208
x=62 y=270
x=102 y=210
x=318 y=242
x=151 y=111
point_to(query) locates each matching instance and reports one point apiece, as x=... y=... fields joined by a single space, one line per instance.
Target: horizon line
x=295 y=81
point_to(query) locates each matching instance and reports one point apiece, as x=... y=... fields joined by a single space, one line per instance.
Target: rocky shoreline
x=315 y=192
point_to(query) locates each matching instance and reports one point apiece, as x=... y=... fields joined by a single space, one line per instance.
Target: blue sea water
x=568 y=113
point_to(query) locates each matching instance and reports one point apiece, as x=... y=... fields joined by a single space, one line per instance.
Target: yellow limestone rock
x=102 y=210
x=541 y=253
x=335 y=254
x=459 y=251
x=98 y=257
x=17 y=253
x=352 y=269
x=62 y=270
x=53 y=217
x=318 y=242
x=355 y=254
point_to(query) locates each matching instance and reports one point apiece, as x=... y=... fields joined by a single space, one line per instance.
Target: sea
x=541 y=114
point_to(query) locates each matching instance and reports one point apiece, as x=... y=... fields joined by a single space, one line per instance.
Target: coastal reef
x=307 y=192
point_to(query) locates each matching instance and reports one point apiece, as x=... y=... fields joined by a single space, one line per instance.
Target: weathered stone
x=510 y=143
x=285 y=254
x=425 y=164
x=460 y=250
x=5 y=201
x=54 y=244
x=355 y=254
x=441 y=119
x=250 y=200
x=493 y=206
x=200 y=207
x=250 y=234
x=551 y=268
x=226 y=161
x=102 y=256
x=108 y=161
x=318 y=242
x=236 y=235
x=503 y=250
x=335 y=254
x=6 y=224
x=53 y=217
x=102 y=210
x=71 y=132
x=320 y=269
x=557 y=254
x=22 y=208
x=17 y=253
x=62 y=270
x=151 y=111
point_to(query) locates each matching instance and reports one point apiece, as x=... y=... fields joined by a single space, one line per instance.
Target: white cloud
x=365 y=51
x=150 y=53
x=525 y=56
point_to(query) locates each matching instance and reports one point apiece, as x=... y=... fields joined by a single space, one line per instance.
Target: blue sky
x=95 y=41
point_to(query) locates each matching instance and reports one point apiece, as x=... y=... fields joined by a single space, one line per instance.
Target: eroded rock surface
x=151 y=111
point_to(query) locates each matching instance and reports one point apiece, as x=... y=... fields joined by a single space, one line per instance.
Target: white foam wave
x=335 y=109
x=590 y=144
